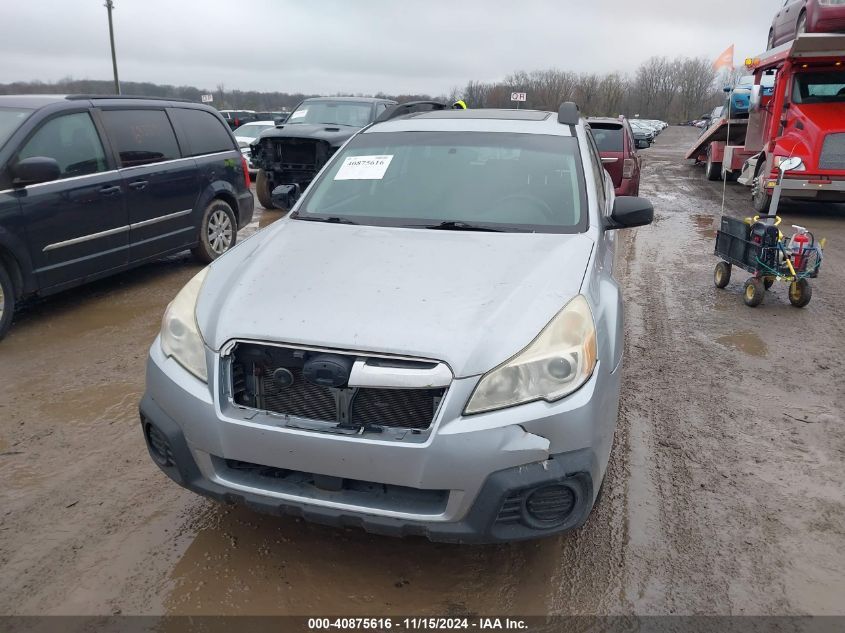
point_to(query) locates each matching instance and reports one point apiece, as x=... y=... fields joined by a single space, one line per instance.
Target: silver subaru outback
x=430 y=343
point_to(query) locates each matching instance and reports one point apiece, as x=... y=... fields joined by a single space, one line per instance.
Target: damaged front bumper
x=519 y=473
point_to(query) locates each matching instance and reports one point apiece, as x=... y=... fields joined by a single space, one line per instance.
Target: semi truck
x=803 y=115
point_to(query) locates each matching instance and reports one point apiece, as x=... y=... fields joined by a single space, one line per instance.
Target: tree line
x=673 y=90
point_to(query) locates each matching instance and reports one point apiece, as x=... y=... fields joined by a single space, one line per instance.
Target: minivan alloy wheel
x=220 y=231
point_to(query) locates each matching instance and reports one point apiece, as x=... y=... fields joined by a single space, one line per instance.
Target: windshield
x=10 y=120
x=608 y=138
x=819 y=87
x=508 y=182
x=251 y=131
x=348 y=113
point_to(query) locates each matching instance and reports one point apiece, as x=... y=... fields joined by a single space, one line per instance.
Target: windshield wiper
x=457 y=225
x=333 y=219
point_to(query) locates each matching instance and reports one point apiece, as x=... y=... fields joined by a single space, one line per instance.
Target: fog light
x=549 y=506
x=159 y=446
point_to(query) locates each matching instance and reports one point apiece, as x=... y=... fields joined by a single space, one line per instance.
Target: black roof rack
x=138 y=97
x=410 y=108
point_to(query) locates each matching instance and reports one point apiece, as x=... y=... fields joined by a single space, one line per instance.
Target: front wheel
x=262 y=190
x=801 y=27
x=7 y=302
x=754 y=292
x=712 y=169
x=722 y=274
x=218 y=232
x=800 y=293
x=759 y=196
x=770 y=43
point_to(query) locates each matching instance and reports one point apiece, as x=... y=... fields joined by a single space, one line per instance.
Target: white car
x=246 y=134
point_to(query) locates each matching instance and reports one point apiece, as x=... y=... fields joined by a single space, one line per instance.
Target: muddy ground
x=724 y=496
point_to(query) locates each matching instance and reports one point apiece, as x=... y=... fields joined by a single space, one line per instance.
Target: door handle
x=138 y=185
x=110 y=191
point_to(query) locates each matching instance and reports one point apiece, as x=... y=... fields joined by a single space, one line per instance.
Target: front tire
x=712 y=169
x=770 y=43
x=218 y=232
x=263 y=191
x=800 y=293
x=722 y=274
x=754 y=292
x=801 y=27
x=760 y=198
x=7 y=302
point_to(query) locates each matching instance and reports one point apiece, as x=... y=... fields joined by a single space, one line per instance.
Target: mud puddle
x=747 y=342
x=246 y=563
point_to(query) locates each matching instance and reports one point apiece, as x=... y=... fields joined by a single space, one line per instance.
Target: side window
x=204 y=132
x=71 y=140
x=141 y=136
x=380 y=109
x=598 y=168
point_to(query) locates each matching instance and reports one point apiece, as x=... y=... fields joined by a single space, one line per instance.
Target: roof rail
x=408 y=108
x=82 y=97
x=568 y=114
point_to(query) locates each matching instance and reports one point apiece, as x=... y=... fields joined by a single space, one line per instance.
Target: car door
x=76 y=225
x=789 y=19
x=161 y=186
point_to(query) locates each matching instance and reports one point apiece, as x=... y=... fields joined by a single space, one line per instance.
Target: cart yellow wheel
x=754 y=292
x=800 y=293
x=722 y=274
x=768 y=282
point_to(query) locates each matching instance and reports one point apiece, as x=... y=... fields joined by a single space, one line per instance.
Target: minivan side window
x=72 y=141
x=141 y=137
x=204 y=131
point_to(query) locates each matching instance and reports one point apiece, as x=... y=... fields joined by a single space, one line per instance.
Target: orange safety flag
x=726 y=59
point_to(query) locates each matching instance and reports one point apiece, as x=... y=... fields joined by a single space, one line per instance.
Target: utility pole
x=110 y=6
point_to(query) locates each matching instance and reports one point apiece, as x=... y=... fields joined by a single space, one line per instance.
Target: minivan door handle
x=110 y=191
x=138 y=185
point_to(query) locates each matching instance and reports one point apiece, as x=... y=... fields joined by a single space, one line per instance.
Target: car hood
x=335 y=135
x=470 y=299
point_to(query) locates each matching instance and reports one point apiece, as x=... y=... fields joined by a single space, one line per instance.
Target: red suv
x=618 y=150
x=806 y=16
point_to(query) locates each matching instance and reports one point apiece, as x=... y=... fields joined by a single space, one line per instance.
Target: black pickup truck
x=292 y=153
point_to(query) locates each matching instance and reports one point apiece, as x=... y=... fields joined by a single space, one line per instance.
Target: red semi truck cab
x=804 y=117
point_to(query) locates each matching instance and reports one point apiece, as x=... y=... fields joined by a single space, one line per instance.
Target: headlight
x=180 y=335
x=555 y=364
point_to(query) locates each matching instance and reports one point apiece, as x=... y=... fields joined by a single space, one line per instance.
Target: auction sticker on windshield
x=363 y=168
x=299 y=114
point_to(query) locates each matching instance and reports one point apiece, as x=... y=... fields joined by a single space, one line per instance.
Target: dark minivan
x=91 y=186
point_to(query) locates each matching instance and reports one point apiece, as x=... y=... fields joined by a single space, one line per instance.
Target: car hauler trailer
x=804 y=117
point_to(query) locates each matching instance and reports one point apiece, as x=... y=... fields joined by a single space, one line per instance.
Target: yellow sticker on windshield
x=363 y=168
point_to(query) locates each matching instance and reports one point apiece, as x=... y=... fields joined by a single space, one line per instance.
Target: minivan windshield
x=454 y=180
x=10 y=120
x=819 y=87
x=350 y=113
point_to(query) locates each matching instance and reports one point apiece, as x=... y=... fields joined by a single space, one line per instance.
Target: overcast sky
x=395 y=46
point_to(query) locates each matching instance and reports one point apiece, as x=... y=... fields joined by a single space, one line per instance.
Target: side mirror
x=754 y=100
x=727 y=89
x=285 y=196
x=642 y=144
x=793 y=162
x=31 y=171
x=629 y=212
